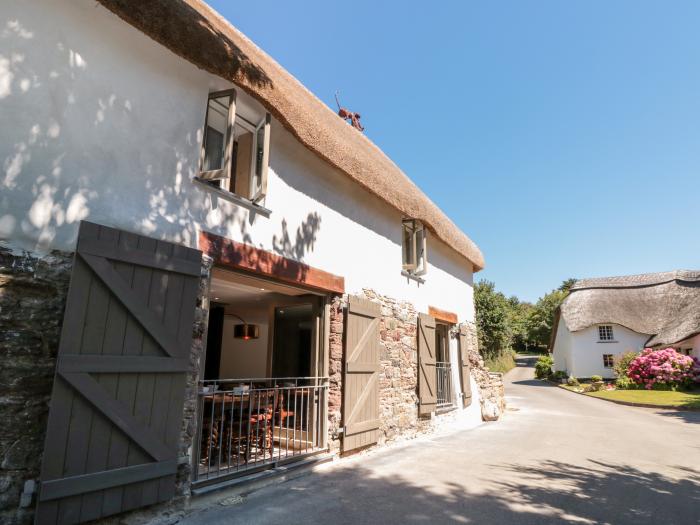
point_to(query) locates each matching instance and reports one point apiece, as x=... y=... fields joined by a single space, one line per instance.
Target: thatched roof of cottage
x=195 y=32
x=666 y=306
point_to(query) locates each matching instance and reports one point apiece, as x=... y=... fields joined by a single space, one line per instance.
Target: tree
x=492 y=319
x=519 y=313
x=541 y=320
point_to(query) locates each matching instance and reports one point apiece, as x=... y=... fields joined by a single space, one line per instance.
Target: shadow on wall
x=53 y=176
x=553 y=492
x=285 y=263
x=304 y=239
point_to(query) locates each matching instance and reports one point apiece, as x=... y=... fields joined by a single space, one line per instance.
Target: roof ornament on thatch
x=352 y=118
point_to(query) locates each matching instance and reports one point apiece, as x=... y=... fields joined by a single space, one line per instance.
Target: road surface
x=555 y=457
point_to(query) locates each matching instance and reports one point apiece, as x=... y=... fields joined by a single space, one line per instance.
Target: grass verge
x=687 y=399
x=663 y=398
x=502 y=363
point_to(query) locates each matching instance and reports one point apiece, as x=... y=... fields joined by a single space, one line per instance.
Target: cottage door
x=465 y=367
x=361 y=374
x=427 y=379
x=116 y=407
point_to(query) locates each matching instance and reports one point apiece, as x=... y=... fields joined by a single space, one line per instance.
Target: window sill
x=408 y=275
x=232 y=197
x=606 y=342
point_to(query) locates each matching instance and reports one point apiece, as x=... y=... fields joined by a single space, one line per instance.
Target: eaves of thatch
x=666 y=306
x=195 y=32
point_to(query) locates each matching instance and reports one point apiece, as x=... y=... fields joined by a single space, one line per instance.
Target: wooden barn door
x=427 y=378
x=465 y=368
x=361 y=374
x=117 y=400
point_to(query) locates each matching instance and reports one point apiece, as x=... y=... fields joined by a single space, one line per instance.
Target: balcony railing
x=443 y=371
x=251 y=423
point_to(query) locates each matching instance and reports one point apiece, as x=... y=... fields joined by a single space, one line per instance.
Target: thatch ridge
x=195 y=32
x=665 y=306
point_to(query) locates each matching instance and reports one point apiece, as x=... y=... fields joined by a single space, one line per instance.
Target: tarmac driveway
x=555 y=457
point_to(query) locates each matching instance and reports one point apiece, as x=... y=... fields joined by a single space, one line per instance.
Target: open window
x=235 y=149
x=414 y=247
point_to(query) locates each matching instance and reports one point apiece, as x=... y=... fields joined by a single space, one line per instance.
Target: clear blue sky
x=562 y=137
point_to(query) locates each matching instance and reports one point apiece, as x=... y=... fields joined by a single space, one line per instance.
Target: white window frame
x=415 y=260
x=224 y=173
x=605 y=333
x=612 y=361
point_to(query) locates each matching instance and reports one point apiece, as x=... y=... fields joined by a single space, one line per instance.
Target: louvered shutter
x=361 y=374
x=116 y=407
x=427 y=379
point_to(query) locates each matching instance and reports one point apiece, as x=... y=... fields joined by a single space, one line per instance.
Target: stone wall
x=398 y=376
x=493 y=402
x=33 y=293
x=197 y=352
x=335 y=371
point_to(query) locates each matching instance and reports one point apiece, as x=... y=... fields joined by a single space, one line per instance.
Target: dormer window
x=235 y=149
x=415 y=247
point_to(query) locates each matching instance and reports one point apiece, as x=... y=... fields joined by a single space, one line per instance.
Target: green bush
x=624 y=383
x=621 y=363
x=543 y=367
x=559 y=374
x=572 y=381
x=595 y=379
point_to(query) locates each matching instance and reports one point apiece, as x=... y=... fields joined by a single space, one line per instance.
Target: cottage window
x=414 y=247
x=688 y=351
x=235 y=150
x=605 y=332
x=608 y=360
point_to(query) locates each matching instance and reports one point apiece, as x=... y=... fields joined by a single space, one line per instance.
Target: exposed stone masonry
x=33 y=293
x=189 y=421
x=490 y=384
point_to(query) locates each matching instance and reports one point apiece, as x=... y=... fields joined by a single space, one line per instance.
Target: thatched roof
x=195 y=32
x=666 y=306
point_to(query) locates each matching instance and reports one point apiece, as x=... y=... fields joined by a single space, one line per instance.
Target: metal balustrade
x=257 y=422
x=443 y=371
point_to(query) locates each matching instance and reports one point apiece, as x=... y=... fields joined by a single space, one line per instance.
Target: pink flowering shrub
x=663 y=368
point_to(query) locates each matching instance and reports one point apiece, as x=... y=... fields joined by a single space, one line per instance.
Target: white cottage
x=604 y=317
x=204 y=271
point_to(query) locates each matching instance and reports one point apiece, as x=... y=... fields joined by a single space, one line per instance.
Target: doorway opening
x=263 y=396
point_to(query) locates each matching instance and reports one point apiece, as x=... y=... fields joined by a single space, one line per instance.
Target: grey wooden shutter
x=117 y=401
x=361 y=374
x=427 y=379
x=465 y=368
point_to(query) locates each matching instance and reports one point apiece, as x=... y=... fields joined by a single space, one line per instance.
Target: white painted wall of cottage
x=586 y=352
x=99 y=122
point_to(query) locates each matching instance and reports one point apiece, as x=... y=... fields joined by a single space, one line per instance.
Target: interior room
x=261 y=400
x=259 y=329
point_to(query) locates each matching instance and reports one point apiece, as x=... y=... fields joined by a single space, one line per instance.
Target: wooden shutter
x=361 y=374
x=117 y=401
x=465 y=368
x=427 y=379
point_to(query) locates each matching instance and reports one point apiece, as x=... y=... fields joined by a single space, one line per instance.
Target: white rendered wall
x=693 y=343
x=562 y=349
x=587 y=352
x=101 y=123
